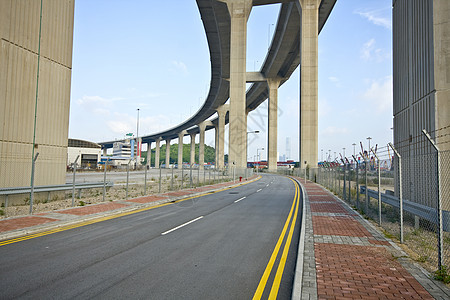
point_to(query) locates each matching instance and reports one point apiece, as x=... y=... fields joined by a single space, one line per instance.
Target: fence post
x=379 y=187
x=357 y=182
x=33 y=167
x=128 y=176
x=73 y=182
x=160 y=178
x=367 y=189
x=190 y=175
x=349 y=185
x=171 y=182
x=104 y=179
x=182 y=175
x=145 y=180
x=400 y=190
x=344 y=195
x=439 y=195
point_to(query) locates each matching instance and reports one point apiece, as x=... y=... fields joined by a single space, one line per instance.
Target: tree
x=210 y=154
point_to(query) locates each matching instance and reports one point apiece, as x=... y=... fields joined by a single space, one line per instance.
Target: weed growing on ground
x=81 y=203
x=442 y=275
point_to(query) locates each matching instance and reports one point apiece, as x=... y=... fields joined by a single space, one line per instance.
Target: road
x=234 y=244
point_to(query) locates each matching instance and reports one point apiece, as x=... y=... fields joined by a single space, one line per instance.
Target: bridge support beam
x=272 y=135
x=180 y=149
x=222 y=113
x=239 y=12
x=201 y=147
x=192 y=158
x=158 y=142
x=308 y=83
x=167 y=153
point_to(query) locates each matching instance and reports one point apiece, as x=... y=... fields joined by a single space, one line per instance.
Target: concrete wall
x=421 y=77
x=19 y=46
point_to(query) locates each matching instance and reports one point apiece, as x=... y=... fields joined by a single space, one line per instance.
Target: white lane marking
x=239 y=199
x=182 y=225
x=259 y=190
x=267 y=185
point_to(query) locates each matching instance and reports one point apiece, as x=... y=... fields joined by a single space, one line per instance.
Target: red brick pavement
x=343 y=226
x=23 y=222
x=147 y=199
x=92 y=209
x=356 y=272
x=346 y=271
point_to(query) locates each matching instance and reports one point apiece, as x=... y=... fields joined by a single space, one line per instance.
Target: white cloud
x=335 y=80
x=180 y=66
x=90 y=100
x=332 y=130
x=369 y=52
x=379 y=94
x=376 y=17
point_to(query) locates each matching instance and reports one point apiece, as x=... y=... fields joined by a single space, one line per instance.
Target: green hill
x=210 y=154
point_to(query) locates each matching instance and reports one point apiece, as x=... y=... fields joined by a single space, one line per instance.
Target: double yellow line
x=101 y=219
x=277 y=280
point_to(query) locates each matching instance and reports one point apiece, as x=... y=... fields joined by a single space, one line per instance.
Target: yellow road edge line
x=268 y=270
x=277 y=281
x=101 y=219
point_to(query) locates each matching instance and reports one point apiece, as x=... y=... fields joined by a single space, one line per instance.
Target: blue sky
x=153 y=55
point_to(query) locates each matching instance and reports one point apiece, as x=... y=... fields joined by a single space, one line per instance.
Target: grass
x=442 y=275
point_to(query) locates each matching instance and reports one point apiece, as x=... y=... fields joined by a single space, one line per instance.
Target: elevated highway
x=283 y=57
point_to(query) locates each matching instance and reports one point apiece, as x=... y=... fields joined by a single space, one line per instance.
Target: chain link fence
x=84 y=187
x=404 y=188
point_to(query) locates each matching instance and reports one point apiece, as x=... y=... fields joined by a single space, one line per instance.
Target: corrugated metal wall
x=19 y=42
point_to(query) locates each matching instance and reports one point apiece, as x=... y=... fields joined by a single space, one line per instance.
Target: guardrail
x=425 y=212
x=52 y=188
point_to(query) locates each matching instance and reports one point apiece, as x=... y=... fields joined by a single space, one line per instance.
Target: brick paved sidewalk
x=347 y=258
x=18 y=226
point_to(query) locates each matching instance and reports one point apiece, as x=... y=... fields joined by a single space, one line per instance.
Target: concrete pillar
x=149 y=154
x=192 y=158
x=308 y=83
x=272 y=135
x=158 y=141
x=167 y=153
x=180 y=149
x=216 y=142
x=222 y=112
x=201 y=148
x=239 y=11
x=105 y=151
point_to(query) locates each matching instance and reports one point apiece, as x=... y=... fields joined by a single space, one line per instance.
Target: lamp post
x=138 y=149
x=255 y=131
x=369 y=138
x=257 y=156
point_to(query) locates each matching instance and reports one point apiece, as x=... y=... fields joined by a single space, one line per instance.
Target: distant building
x=89 y=153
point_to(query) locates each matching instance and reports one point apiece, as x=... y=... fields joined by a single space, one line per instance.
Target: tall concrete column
x=167 y=153
x=192 y=158
x=201 y=148
x=157 y=148
x=239 y=11
x=180 y=149
x=221 y=112
x=149 y=154
x=216 y=142
x=272 y=135
x=308 y=83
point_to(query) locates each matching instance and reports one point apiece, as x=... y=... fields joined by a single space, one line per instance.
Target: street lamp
x=138 y=146
x=257 y=156
x=369 y=138
x=255 y=131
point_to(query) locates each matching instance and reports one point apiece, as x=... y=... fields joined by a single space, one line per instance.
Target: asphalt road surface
x=239 y=243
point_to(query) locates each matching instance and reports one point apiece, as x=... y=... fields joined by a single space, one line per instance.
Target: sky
x=153 y=56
